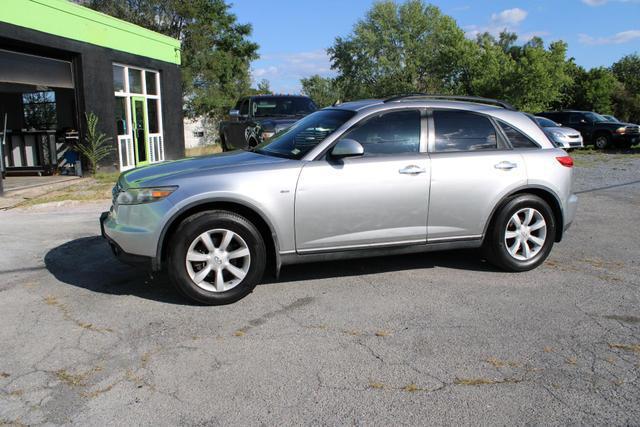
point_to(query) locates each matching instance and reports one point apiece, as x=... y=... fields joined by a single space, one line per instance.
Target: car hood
x=278 y=123
x=563 y=130
x=166 y=173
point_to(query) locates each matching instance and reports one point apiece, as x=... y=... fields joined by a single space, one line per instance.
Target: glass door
x=140 y=130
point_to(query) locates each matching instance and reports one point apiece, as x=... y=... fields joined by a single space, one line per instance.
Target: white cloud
x=509 y=17
x=509 y=20
x=284 y=70
x=618 y=38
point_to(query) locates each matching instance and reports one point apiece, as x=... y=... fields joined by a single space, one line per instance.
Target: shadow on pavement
x=88 y=263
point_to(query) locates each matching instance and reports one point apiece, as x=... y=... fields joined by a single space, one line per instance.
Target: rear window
x=517 y=138
x=463 y=131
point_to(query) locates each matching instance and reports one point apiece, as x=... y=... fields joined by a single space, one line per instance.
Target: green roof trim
x=65 y=19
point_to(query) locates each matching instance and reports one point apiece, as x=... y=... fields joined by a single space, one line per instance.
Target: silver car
x=367 y=178
x=561 y=136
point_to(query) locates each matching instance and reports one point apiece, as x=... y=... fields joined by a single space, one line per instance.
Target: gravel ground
x=423 y=339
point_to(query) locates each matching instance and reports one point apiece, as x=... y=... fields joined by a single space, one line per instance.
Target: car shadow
x=88 y=263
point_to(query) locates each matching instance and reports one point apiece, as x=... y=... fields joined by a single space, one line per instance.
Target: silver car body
x=368 y=205
x=562 y=136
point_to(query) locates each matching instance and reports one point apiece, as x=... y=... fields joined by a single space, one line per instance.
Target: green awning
x=65 y=19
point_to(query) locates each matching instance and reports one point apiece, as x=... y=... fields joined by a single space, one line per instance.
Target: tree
x=627 y=71
x=264 y=88
x=216 y=52
x=399 y=48
x=323 y=90
x=97 y=145
x=599 y=87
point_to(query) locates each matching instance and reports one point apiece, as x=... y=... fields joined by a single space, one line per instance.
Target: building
x=60 y=60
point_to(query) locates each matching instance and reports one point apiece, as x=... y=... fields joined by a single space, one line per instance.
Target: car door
x=472 y=169
x=379 y=198
x=237 y=127
x=582 y=124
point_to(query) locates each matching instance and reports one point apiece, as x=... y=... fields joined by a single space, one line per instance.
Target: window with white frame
x=139 y=83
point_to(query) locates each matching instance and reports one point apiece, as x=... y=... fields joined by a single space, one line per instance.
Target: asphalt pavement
x=438 y=338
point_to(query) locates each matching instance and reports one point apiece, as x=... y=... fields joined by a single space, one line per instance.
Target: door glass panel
x=118 y=79
x=152 y=88
x=152 y=110
x=463 y=131
x=392 y=133
x=517 y=138
x=135 y=81
x=141 y=148
x=121 y=115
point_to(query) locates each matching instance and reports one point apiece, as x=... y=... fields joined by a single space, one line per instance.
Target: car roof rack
x=476 y=99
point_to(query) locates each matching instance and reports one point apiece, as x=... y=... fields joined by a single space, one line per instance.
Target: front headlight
x=558 y=136
x=266 y=134
x=621 y=130
x=136 y=196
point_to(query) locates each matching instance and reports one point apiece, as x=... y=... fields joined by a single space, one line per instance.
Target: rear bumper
x=119 y=253
x=570 y=211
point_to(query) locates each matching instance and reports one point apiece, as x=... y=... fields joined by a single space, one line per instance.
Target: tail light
x=565 y=161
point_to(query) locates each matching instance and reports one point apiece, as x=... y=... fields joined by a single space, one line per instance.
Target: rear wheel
x=216 y=257
x=522 y=234
x=602 y=141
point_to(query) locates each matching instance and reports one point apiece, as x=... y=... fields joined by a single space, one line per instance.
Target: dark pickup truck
x=596 y=129
x=257 y=118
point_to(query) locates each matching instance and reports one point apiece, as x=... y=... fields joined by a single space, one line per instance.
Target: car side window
x=517 y=138
x=463 y=131
x=574 y=118
x=244 y=107
x=395 y=132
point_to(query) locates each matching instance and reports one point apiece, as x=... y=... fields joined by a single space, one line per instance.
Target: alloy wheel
x=218 y=260
x=525 y=234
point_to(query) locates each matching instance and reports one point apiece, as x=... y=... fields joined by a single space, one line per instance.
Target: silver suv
x=407 y=174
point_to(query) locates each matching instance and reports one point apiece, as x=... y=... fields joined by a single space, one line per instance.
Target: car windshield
x=596 y=117
x=546 y=123
x=612 y=119
x=305 y=134
x=282 y=106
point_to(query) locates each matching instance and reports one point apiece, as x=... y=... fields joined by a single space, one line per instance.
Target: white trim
x=153 y=138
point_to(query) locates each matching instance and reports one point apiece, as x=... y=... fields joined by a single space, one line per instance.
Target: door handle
x=505 y=165
x=412 y=170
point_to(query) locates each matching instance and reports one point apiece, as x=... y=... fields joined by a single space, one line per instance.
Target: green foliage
x=399 y=48
x=216 y=52
x=97 y=145
x=323 y=90
x=627 y=71
x=264 y=88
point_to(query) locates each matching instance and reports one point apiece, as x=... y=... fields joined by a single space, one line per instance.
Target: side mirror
x=347 y=148
x=234 y=113
x=584 y=122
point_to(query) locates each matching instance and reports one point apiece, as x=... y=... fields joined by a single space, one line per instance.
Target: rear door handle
x=505 y=165
x=411 y=170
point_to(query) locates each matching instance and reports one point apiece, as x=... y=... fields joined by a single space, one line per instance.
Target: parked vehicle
x=614 y=119
x=255 y=119
x=596 y=129
x=367 y=178
x=561 y=136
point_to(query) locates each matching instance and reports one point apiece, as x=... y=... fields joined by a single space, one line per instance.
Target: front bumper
x=127 y=258
x=630 y=139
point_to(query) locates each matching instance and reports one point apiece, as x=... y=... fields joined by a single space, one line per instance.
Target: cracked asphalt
x=438 y=338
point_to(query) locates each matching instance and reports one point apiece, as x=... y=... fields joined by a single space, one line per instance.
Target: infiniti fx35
x=406 y=174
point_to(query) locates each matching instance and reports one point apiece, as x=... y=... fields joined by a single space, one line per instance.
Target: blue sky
x=293 y=34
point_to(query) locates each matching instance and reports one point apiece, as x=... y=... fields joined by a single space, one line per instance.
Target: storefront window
x=151 y=83
x=152 y=112
x=118 y=79
x=135 y=81
x=39 y=110
x=121 y=115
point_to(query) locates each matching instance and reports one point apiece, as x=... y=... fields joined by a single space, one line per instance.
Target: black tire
x=223 y=142
x=194 y=226
x=602 y=141
x=495 y=246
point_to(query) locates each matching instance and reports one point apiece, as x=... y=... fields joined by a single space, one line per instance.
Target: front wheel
x=217 y=257
x=521 y=235
x=602 y=141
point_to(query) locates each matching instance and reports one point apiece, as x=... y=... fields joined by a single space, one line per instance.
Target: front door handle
x=505 y=165
x=412 y=170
